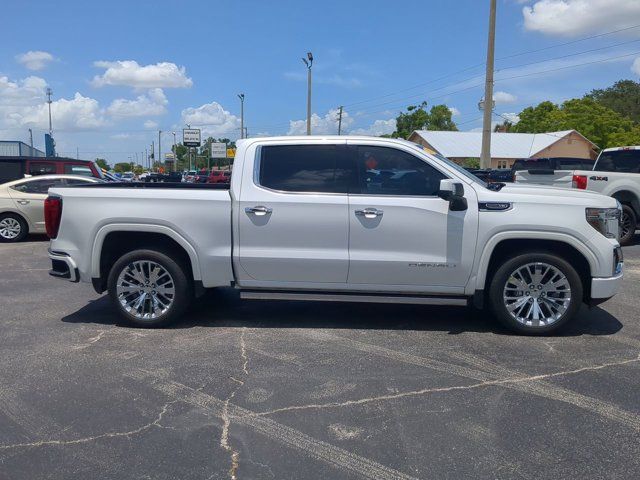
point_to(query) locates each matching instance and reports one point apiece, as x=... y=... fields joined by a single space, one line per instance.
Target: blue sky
x=122 y=70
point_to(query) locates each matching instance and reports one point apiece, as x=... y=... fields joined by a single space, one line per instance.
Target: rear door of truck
x=293 y=223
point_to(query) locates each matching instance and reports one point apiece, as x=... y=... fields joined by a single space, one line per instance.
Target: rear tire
x=628 y=225
x=13 y=228
x=535 y=293
x=149 y=289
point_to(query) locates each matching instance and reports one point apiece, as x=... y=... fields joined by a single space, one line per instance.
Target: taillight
x=52 y=214
x=579 y=182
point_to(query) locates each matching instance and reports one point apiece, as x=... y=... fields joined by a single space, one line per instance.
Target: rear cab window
x=76 y=169
x=42 y=168
x=625 y=161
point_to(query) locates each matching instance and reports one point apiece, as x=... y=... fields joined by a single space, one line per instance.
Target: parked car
x=616 y=173
x=219 y=176
x=127 y=177
x=164 y=177
x=190 y=176
x=552 y=172
x=14 y=168
x=22 y=203
x=314 y=218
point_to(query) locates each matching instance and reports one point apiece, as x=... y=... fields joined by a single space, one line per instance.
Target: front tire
x=149 y=289
x=628 y=225
x=535 y=293
x=13 y=228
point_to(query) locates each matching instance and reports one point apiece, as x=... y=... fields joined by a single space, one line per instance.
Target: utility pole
x=146 y=155
x=31 y=141
x=153 y=155
x=309 y=63
x=159 y=147
x=175 y=153
x=485 y=155
x=77 y=153
x=340 y=121
x=241 y=97
x=49 y=93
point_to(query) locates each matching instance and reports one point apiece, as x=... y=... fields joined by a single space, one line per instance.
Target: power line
x=568 y=43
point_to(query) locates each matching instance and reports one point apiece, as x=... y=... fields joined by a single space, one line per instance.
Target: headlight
x=604 y=220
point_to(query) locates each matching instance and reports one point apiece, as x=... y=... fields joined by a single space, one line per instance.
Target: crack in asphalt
x=226 y=418
x=487 y=383
x=42 y=443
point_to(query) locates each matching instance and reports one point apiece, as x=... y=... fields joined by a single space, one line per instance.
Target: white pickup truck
x=616 y=173
x=359 y=219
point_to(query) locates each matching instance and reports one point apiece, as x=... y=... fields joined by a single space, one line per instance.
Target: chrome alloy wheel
x=145 y=289
x=625 y=224
x=537 y=294
x=9 y=228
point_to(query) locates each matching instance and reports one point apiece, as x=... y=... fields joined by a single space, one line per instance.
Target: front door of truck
x=293 y=220
x=402 y=235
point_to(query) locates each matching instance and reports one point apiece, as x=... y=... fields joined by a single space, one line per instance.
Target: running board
x=348 y=297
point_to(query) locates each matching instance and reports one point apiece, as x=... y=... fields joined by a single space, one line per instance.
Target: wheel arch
x=113 y=241
x=629 y=198
x=499 y=249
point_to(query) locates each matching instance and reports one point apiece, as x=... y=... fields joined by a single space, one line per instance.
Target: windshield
x=627 y=161
x=460 y=170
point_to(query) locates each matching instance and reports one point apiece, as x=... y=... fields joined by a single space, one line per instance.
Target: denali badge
x=433 y=265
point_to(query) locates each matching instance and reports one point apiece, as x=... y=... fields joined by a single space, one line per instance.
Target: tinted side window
x=37 y=186
x=42 y=168
x=619 y=161
x=305 y=168
x=387 y=171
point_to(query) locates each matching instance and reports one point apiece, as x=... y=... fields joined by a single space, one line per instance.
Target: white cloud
x=579 y=17
x=511 y=117
x=214 y=120
x=151 y=104
x=78 y=113
x=635 y=68
x=35 y=59
x=377 y=128
x=130 y=73
x=504 y=97
x=454 y=111
x=23 y=104
x=150 y=124
x=327 y=125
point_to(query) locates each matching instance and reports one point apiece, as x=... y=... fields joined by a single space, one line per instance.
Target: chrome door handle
x=369 y=213
x=259 y=210
x=23 y=202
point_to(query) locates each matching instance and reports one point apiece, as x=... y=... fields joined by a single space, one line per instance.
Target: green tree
x=102 y=163
x=593 y=120
x=622 y=97
x=417 y=118
x=122 y=167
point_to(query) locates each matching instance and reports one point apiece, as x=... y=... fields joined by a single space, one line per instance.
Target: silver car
x=22 y=203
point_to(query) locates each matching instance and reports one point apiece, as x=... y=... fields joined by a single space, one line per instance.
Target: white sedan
x=22 y=203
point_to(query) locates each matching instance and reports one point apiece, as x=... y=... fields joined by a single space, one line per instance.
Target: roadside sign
x=218 y=150
x=191 y=137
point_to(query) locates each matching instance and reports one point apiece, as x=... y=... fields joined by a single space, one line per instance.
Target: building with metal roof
x=506 y=147
x=10 y=148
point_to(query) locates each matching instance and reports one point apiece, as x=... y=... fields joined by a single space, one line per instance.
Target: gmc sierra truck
x=341 y=219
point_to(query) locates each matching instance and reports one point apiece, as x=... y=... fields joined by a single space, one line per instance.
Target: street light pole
x=241 y=97
x=175 y=153
x=485 y=155
x=309 y=63
x=159 y=147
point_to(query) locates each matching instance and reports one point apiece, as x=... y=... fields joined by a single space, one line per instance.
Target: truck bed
x=161 y=185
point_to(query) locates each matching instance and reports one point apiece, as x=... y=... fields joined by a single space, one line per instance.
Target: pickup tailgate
x=547 y=177
x=196 y=217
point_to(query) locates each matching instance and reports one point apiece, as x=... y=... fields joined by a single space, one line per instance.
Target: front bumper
x=603 y=288
x=63 y=266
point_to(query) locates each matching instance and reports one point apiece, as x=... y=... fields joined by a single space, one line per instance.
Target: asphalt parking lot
x=276 y=390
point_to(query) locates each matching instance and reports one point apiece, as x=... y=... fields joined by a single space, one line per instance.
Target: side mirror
x=453 y=192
